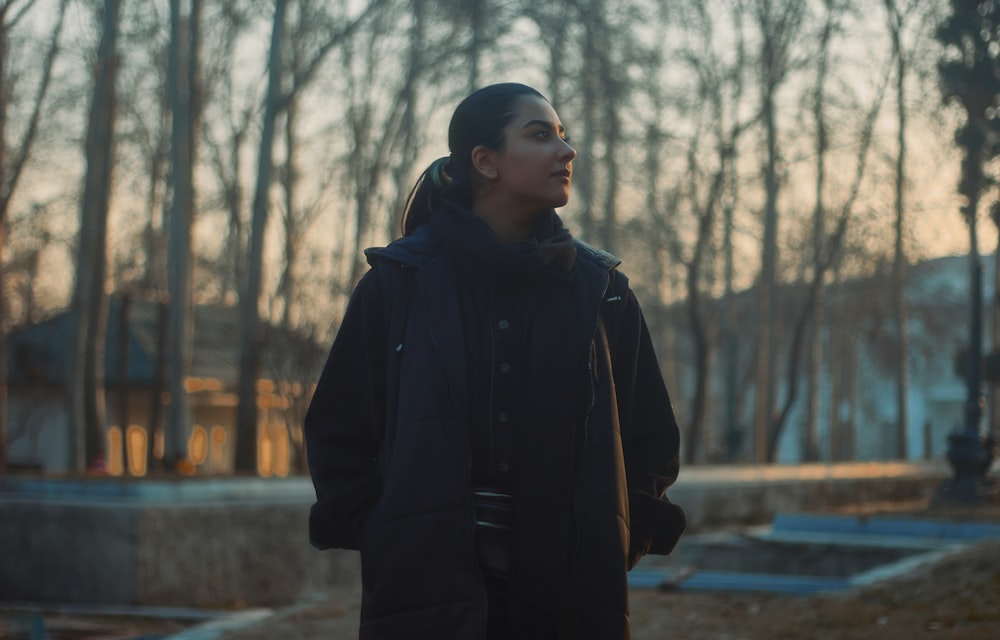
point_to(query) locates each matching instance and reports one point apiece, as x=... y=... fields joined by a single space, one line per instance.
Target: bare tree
x=14 y=159
x=720 y=85
x=814 y=351
x=90 y=299
x=410 y=93
x=297 y=216
x=896 y=20
x=184 y=97
x=828 y=253
x=226 y=135
x=276 y=102
x=778 y=22
x=250 y=339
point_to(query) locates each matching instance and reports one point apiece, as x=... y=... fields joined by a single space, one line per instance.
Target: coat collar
x=414 y=249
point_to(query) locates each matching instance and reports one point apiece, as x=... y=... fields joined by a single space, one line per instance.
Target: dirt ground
x=955 y=598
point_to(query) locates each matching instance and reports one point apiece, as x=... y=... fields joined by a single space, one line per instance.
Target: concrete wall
x=722 y=496
x=182 y=550
x=239 y=542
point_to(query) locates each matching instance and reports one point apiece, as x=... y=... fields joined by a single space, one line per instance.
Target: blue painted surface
x=731 y=581
x=891 y=530
x=886 y=526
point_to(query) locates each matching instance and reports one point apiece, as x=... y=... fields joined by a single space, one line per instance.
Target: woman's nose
x=569 y=152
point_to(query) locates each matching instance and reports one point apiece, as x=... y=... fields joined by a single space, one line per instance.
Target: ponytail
x=425 y=195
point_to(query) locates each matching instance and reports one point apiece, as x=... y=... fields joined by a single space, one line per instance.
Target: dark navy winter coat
x=389 y=453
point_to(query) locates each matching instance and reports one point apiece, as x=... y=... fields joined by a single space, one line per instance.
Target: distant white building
x=857 y=389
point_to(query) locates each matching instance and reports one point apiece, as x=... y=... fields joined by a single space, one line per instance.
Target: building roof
x=39 y=353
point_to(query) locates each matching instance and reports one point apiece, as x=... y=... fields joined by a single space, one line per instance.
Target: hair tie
x=438 y=173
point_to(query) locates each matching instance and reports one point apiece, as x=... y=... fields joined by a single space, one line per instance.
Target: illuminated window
x=198 y=445
x=135 y=440
x=265 y=455
x=279 y=436
x=115 y=464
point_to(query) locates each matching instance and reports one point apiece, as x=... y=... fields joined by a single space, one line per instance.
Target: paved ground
x=955 y=599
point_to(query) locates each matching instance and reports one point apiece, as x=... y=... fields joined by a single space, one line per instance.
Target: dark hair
x=478 y=120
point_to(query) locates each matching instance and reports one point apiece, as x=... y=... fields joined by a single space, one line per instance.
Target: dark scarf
x=546 y=258
x=551 y=395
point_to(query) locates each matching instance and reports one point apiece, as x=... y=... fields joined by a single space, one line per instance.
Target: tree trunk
x=155 y=430
x=767 y=282
x=409 y=147
x=836 y=364
x=90 y=300
x=182 y=89
x=288 y=181
x=250 y=328
x=730 y=331
x=124 y=319
x=814 y=350
x=778 y=23
x=895 y=22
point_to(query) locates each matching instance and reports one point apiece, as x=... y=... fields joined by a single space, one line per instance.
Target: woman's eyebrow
x=544 y=124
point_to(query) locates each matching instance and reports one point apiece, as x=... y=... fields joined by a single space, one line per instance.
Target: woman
x=491 y=429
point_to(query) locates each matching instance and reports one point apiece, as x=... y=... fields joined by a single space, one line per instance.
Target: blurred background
x=187 y=186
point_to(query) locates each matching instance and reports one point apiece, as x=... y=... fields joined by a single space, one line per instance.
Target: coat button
x=504 y=467
x=503 y=324
x=502 y=417
x=504 y=367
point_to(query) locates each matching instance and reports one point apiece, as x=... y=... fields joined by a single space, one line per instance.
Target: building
x=856 y=412
x=137 y=398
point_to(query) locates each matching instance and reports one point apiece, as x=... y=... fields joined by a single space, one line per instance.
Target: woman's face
x=533 y=170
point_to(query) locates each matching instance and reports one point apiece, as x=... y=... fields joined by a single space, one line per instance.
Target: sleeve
x=650 y=435
x=345 y=421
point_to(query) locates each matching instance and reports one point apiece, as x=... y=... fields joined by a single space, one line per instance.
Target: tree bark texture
x=900 y=312
x=182 y=86
x=250 y=326
x=90 y=300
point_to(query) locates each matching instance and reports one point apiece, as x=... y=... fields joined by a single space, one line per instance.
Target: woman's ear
x=484 y=162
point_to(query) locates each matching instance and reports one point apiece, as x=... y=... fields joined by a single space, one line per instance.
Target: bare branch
x=28 y=140
x=7 y=6
x=301 y=79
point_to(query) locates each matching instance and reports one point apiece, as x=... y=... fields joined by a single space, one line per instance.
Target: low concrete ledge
x=226 y=543
x=156 y=490
x=722 y=496
x=243 y=542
